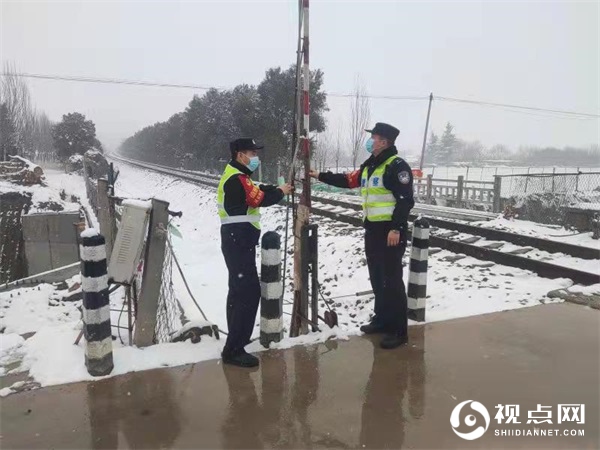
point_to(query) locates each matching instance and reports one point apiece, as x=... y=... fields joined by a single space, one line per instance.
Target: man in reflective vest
x=386 y=185
x=238 y=201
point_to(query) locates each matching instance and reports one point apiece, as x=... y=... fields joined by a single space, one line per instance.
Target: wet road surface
x=346 y=394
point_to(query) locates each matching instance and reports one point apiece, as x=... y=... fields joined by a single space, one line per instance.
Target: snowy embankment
x=457 y=287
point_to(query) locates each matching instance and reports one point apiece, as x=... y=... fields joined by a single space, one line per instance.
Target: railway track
x=457 y=237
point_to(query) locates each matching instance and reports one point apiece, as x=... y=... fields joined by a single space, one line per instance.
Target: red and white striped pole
x=303 y=211
x=306 y=97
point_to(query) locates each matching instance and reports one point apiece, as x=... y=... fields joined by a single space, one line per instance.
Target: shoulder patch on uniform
x=404 y=177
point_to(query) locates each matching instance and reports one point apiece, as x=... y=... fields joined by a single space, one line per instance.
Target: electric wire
x=507 y=106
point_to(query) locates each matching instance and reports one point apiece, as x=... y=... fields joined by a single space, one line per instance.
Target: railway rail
x=454 y=236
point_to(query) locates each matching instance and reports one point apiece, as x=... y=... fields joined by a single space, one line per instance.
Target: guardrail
x=460 y=192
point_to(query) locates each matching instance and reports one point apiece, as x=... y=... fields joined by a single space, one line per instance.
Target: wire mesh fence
x=169 y=315
x=91 y=187
x=539 y=183
x=487 y=173
x=546 y=198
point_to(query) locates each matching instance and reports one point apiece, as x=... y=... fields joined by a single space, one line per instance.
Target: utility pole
x=302 y=216
x=425 y=135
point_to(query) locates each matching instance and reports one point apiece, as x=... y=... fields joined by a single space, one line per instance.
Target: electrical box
x=129 y=243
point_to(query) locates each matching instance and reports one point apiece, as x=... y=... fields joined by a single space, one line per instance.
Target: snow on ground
x=594 y=289
x=528 y=228
x=41 y=197
x=27 y=310
x=72 y=184
x=458 y=287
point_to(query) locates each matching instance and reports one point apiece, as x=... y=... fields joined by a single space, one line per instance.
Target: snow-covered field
x=458 y=287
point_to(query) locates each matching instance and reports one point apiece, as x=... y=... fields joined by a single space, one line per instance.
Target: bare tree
x=360 y=115
x=338 y=151
x=14 y=95
x=322 y=151
x=498 y=152
x=25 y=132
x=42 y=138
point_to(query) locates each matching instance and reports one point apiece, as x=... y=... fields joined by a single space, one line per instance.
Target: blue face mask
x=254 y=163
x=369 y=145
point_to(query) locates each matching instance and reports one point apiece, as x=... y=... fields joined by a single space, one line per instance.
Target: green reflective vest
x=378 y=202
x=252 y=216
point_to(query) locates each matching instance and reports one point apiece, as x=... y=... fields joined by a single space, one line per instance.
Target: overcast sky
x=543 y=54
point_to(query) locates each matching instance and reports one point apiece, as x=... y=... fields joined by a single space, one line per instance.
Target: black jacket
x=240 y=193
x=397 y=178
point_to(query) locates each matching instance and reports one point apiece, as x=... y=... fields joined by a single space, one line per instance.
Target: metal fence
x=541 y=183
x=548 y=198
x=169 y=315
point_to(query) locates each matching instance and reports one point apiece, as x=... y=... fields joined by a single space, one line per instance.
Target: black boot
x=391 y=341
x=239 y=358
x=372 y=328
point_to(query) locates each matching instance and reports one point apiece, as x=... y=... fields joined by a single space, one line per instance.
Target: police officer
x=239 y=200
x=386 y=184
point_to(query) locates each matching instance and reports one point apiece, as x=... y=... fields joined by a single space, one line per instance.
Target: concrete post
x=313 y=244
x=497 y=206
x=105 y=218
x=417 y=277
x=145 y=324
x=96 y=304
x=429 y=187
x=459 y=190
x=595 y=224
x=271 y=290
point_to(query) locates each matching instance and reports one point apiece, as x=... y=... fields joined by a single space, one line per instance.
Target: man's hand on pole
x=314 y=174
x=286 y=188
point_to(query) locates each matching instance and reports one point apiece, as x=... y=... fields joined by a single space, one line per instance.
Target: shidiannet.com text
x=539 y=432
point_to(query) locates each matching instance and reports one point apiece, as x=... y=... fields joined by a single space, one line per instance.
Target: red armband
x=254 y=196
x=353 y=179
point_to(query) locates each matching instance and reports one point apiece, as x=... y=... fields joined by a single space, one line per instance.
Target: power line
x=117 y=81
x=543 y=114
x=382 y=97
x=183 y=86
x=528 y=108
x=331 y=94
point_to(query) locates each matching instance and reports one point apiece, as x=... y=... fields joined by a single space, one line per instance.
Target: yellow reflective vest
x=253 y=214
x=378 y=201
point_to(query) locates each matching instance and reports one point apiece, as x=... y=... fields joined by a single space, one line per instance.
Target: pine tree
x=448 y=145
x=433 y=148
x=74 y=135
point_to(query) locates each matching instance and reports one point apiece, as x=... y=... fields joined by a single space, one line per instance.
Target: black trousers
x=385 y=271
x=244 y=289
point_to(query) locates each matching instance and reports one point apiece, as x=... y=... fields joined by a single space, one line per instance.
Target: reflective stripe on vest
x=378 y=201
x=240 y=219
x=252 y=214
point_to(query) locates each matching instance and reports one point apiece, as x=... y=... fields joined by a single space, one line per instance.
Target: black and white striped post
x=271 y=290
x=417 y=277
x=96 y=304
